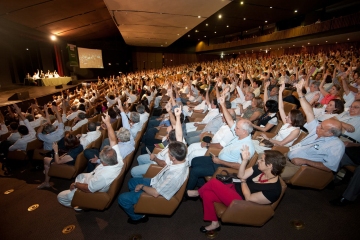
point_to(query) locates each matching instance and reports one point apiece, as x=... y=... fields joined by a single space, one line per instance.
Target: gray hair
x=108 y=156
x=135 y=117
x=335 y=131
x=140 y=109
x=91 y=126
x=247 y=126
x=316 y=83
x=81 y=115
x=48 y=128
x=123 y=134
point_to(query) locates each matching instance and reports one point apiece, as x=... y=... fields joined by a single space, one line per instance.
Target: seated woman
x=72 y=148
x=332 y=109
x=259 y=184
x=255 y=110
x=269 y=119
x=289 y=132
x=333 y=93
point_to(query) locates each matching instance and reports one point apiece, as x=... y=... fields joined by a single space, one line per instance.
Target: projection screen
x=90 y=58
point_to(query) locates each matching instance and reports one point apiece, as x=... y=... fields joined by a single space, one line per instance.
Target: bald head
x=329 y=128
x=243 y=128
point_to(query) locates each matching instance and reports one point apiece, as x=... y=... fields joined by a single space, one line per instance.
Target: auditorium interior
x=147 y=36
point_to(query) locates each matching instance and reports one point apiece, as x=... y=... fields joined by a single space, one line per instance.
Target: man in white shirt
x=213 y=112
x=101 y=178
x=90 y=136
x=166 y=183
x=79 y=121
x=144 y=116
x=242 y=102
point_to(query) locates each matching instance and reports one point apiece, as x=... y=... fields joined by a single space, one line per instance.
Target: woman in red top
x=333 y=93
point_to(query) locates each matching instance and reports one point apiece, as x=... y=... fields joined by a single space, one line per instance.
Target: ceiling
x=154 y=23
x=161 y=22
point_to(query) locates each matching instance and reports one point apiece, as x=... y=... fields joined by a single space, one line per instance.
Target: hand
x=349 y=128
x=267 y=84
x=298 y=161
x=138 y=187
x=177 y=111
x=55 y=147
x=245 y=154
x=203 y=144
x=17 y=109
x=316 y=97
x=299 y=86
x=120 y=107
x=106 y=119
x=152 y=157
x=72 y=186
x=168 y=107
x=94 y=159
x=264 y=136
x=221 y=100
x=78 y=135
x=216 y=160
x=196 y=124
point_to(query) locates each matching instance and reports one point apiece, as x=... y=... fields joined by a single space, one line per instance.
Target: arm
x=111 y=132
x=302 y=161
x=58 y=115
x=294 y=134
x=266 y=97
x=149 y=190
x=345 y=86
x=82 y=187
x=321 y=87
x=225 y=163
x=178 y=128
x=281 y=103
x=226 y=113
x=305 y=104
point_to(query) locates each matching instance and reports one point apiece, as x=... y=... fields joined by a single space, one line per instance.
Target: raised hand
x=106 y=118
x=282 y=87
x=177 y=111
x=221 y=100
x=245 y=154
x=299 y=85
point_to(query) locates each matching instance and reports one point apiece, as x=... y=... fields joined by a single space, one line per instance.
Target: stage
x=34 y=92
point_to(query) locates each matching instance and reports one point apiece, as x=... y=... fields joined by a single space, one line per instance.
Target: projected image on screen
x=90 y=58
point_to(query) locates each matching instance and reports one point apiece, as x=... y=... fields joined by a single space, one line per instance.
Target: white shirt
x=22 y=142
x=135 y=128
x=36 y=123
x=73 y=115
x=213 y=112
x=14 y=136
x=170 y=179
x=79 y=124
x=3 y=129
x=100 y=179
x=143 y=118
x=223 y=136
x=352 y=120
x=88 y=138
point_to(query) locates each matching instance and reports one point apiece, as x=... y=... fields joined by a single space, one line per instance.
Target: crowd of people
x=199 y=107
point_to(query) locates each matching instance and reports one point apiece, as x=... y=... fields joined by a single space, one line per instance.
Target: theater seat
x=148 y=204
x=25 y=155
x=98 y=200
x=69 y=171
x=248 y=213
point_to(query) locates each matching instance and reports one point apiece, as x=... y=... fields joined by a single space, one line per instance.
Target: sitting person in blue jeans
x=166 y=183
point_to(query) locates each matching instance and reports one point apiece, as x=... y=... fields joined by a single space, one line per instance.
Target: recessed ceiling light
x=27 y=49
x=196 y=30
x=178 y=34
x=161 y=45
x=245 y=31
x=318 y=44
x=228 y=26
x=260 y=49
x=270 y=48
x=295 y=11
x=198 y=39
x=293 y=45
x=326 y=41
x=207 y=24
x=199 y=16
x=308 y=43
x=204 y=36
x=214 y=32
x=348 y=39
x=336 y=42
x=241 y=2
x=220 y=16
x=53 y=37
x=244 y=18
x=188 y=35
x=185 y=27
x=265 y=21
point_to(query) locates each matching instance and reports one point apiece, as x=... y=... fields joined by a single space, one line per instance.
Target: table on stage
x=55 y=81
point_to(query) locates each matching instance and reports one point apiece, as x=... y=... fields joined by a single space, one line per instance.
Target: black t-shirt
x=74 y=152
x=271 y=191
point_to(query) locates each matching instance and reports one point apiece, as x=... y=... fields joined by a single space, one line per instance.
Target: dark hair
x=172 y=135
x=178 y=150
x=258 y=82
x=228 y=104
x=23 y=130
x=112 y=97
x=112 y=113
x=296 y=118
x=14 y=125
x=30 y=117
x=91 y=126
x=247 y=82
x=339 y=106
x=277 y=159
x=71 y=141
x=215 y=102
x=272 y=106
x=82 y=107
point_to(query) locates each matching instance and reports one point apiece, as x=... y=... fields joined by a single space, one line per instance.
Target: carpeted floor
x=322 y=221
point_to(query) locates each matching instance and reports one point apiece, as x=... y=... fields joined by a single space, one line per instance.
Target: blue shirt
x=231 y=152
x=328 y=150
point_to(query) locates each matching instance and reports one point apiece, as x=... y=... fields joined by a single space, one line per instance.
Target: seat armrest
x=245 y=212
x=283 y=150
x=311 y=177
x=152 y=171
x=215 y=151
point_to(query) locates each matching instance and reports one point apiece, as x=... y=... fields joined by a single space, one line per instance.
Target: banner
x=73 y=57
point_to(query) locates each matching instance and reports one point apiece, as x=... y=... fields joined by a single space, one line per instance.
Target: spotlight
x=241 y=2
x=220 y=16
x=295 y=11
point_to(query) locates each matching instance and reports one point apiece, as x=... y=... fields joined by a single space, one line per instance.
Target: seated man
x=321 y=148
x=90 y=136
x=125 y=141
x=166 y=183
x=242 y=102
x=100 y=179
x=350 y=122
x=229 y=155
x=79 y=121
